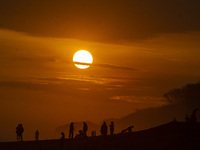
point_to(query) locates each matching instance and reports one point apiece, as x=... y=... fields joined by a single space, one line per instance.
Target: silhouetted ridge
x=170 y=136
x=174 y=128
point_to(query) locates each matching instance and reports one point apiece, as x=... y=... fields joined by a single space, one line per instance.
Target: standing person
x=71 y=130
x=112 y=128
x=37 y=135
x=19 y=131
x=193 y=117
x=104 y=129
x=93 y=133
x=85 y=128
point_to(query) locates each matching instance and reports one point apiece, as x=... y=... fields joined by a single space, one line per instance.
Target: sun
x=82 y=59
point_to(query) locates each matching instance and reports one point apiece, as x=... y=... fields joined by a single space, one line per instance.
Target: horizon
x=140 y=50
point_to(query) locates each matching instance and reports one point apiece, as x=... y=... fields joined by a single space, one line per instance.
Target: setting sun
x=82 y=59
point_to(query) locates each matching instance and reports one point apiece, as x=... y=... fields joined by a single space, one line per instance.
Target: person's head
x=112 y=122
x=62 y=133
x=104 y=123
x=80 y=131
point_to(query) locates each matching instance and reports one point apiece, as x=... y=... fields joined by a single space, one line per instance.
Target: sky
x=141 y=50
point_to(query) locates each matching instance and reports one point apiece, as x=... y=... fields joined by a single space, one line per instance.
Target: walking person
x=71 y=130
x=85 y=128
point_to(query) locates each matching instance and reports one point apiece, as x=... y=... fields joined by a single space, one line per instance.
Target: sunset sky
x=141 y=50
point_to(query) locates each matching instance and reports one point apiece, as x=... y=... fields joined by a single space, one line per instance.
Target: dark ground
x=170 y=136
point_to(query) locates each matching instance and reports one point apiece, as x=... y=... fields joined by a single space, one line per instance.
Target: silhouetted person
x=62 y=140
x=193 y=117
x=93 y=133
x=129 y=129
x=37 y=135
x=187 y=118
x=82 y=141
x=174 y=120
x=104 y=129
x=80 y=135
x=71 y=131
x=85 y=128
x=112 y=128
x=19 y=131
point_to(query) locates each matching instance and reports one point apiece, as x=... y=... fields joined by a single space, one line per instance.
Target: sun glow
x=82 y=59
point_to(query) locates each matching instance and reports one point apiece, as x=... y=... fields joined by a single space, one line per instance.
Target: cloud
x=67 y=84
x=110 y=66
x=177 y=60
x=88 y=87
x=104 y=21
x=34 y=59
x=140 y=99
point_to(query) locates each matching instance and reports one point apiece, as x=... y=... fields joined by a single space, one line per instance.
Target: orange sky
x=136 y=60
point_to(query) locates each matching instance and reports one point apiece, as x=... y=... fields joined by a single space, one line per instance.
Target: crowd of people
x=82 y=133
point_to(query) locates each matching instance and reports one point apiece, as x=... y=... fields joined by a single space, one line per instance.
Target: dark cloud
x=110 y=66
x=115 y=67
x=34 y=59
x=100 y=20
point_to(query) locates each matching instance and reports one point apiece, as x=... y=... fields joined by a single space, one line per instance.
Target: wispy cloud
x=110 y=66
x=101 y=80
x=177 y=60
x=139 y=99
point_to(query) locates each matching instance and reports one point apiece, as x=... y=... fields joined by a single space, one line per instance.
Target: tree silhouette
x=188 y=95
